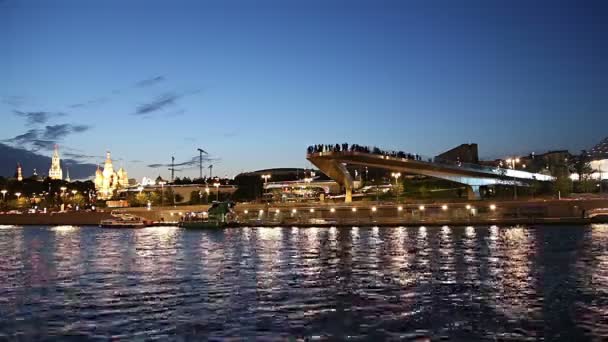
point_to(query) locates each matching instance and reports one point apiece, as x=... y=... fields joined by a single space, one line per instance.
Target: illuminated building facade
x=598 y=159
x=55 y=171
x=108 y=181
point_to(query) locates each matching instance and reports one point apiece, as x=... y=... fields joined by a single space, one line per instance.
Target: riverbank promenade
x=577 y=211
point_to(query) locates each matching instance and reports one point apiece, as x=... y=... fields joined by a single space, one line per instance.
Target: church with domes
x=107 y=181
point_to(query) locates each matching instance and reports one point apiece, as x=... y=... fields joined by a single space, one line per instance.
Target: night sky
x=255 y=82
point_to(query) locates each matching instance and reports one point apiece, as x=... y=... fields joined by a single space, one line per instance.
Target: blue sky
x=255 y=82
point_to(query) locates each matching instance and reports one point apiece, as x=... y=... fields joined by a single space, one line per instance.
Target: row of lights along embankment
x=373 y=209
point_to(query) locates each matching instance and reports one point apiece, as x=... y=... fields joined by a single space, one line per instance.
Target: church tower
x=19 y=173
x=55 y=171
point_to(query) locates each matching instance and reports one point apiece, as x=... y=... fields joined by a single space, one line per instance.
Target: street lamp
x=217 y=186
x=207 y=192
x=18 y=194
x=265 y=178
x=512 y=162
x=396 y=175
x=74 y=192
x=162 y=193
x=4 y=191
x=307 y=180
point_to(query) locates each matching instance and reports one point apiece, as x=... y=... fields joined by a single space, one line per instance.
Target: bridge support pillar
x=473 y=192
x=348 y=197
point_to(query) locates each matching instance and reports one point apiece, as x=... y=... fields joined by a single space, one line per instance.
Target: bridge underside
x=334 y=167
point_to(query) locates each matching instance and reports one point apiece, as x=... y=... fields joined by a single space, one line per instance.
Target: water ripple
x=461 y=283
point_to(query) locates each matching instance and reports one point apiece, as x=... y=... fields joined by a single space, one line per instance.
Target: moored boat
x=220 y=215
x=123 y=221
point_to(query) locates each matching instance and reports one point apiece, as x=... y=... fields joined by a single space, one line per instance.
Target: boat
x=220 y=215
x=120 y=220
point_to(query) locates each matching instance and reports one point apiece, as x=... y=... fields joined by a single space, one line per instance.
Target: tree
x=581 y=166
x=562 y=185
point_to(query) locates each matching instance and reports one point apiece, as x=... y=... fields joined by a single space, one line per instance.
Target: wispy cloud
x=157 y=104
x=150 y=81
x=36 y=118
x=45 y=138
x=80 y=156
x=26 y=137
x=192 y=162
x=41 y=144
x=60 y=131
x=90 y=103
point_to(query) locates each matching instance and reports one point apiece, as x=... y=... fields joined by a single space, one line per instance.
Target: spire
x=19 y=174
x=67 y=177
x=55 y=171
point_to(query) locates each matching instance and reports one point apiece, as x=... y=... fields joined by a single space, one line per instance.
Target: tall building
x=107 y=181
x=55 y=171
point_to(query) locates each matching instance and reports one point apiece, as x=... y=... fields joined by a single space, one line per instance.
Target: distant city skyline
x=254 y=84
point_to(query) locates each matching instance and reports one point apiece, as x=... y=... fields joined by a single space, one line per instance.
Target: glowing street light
x=444 y=207
x=162 y=193
x=4 y=191
x=511 y=162
x=421 y=208
x=217 y=186
x=468 y=206
x=492 y=207
x=312 y=210
x=396 y=175
x=74 y=192
x=18 y=194
x=374 y=209
x=333 y=210
x=399 y=208
x=354 y=209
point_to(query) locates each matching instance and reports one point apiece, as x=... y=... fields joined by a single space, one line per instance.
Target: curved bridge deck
x=474 y=175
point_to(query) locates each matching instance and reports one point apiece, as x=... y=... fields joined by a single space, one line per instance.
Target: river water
x=461 y=283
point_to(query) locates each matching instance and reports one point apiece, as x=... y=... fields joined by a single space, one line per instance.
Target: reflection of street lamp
x=511 y=162
x=217 y=186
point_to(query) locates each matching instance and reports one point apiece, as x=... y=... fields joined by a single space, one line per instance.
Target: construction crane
x=173 y=169
x=200 y=160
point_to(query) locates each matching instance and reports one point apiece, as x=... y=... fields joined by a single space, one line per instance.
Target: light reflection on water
x=466 y=283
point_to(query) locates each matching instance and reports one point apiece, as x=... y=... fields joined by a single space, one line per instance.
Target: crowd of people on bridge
x=364 y=149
